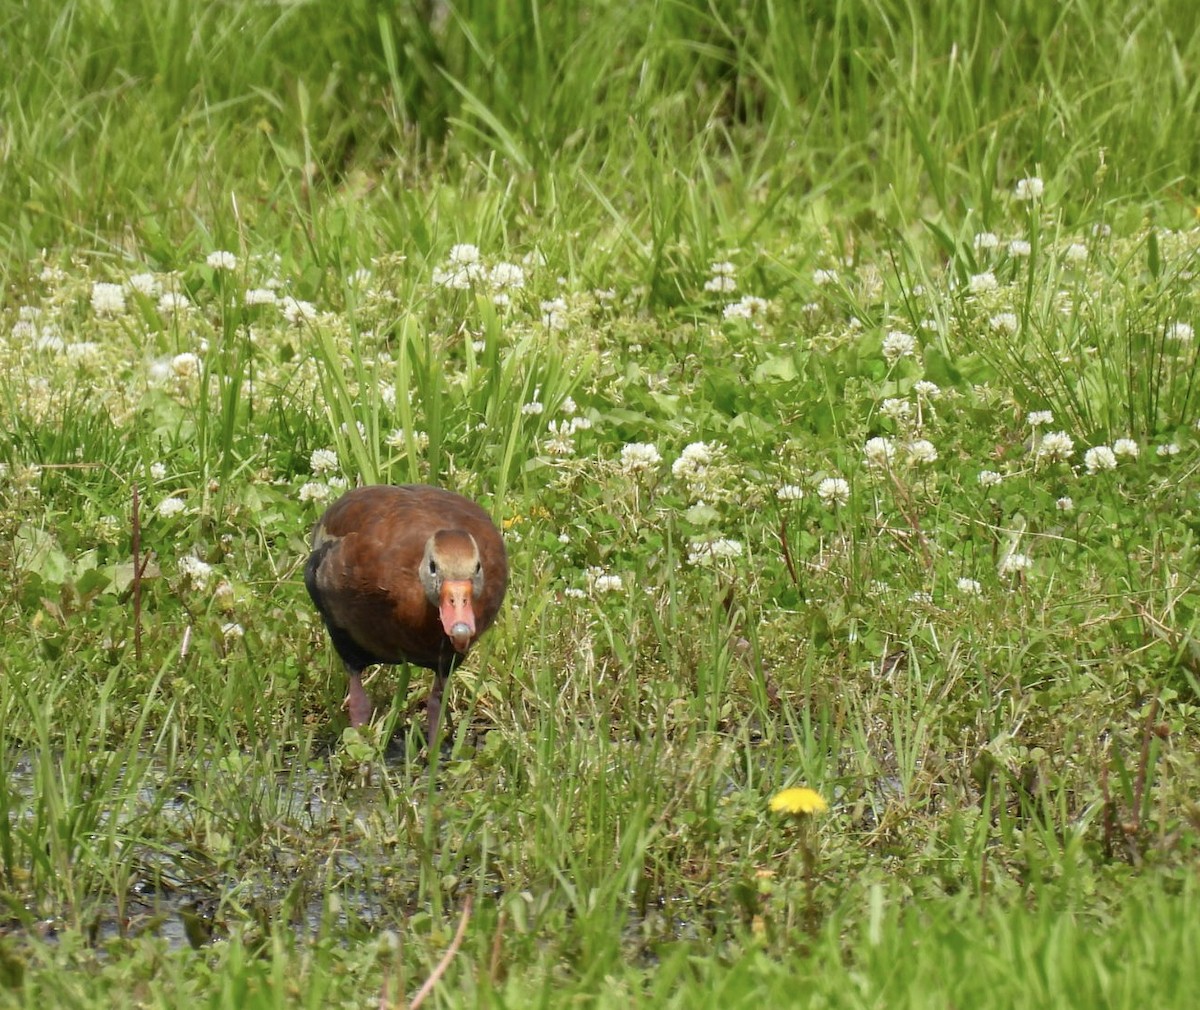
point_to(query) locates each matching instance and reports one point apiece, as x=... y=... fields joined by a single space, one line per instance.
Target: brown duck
x=410 y=574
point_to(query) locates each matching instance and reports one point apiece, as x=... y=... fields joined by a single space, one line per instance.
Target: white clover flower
x=1030 y=188
x=560 y=442
x=459 y=278
x=574 y=593
x=821 y=278
x=145 y=284
x=1126 y=447
x=169 y=507
x=1056 y=445
x=173 y=301
x=986 y=241
x=507 y=275
x=396 y=439
x=834 y=492
x=789 y=492
x=722 y=284
x=897 y=345
x=920 y=596
x=158 y=371
x=607 y=583
x=296 y=311
x=704 y=552
x=158 y=471
x=554 y=314
x=1099 y=457
x=879 y=451
x=83 y=352
x=23 y=331
x=533 y=407
x=1004 y=322
x=1019 y=247
x=1168 y=449
x=1039 y=418
x=108 y=299
x=48 y=339
x=260 y=296
x=895 y=408
x=928 y=390
x=463 y=254
x=221 y=260
x=186 y=365
x=969 y=587
x=1181 y=332
x=1076 y=252
x=722 y=280
x=1065 y=504
x=750 y=307
x=922 y=450
x=979 y=284
x=1015 y=562
x=315 y=491
x=231 y=631
x=637 y=457
x=989 y=478
x=693 y=463
x=195 y=572
x=323 y=461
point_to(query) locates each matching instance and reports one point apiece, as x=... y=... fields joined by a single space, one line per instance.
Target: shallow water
x=173 y=887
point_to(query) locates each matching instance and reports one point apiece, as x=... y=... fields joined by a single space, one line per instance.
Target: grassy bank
x=831 y=370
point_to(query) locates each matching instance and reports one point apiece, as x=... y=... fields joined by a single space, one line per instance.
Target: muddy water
x=173 y=887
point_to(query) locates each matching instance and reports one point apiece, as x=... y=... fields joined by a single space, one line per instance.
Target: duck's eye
x=432 y=567
x=478 y=567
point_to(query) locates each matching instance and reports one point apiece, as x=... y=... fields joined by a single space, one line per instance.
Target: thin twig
x=444 y=963
x=1110 y=814
x=1139 y=786
x=904 y=502
x=497 y=948
x=787 y=552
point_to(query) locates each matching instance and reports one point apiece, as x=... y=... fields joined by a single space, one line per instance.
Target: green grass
x=993 y=682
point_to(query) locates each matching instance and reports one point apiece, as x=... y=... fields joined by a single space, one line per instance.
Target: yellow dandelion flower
x=800 y=801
